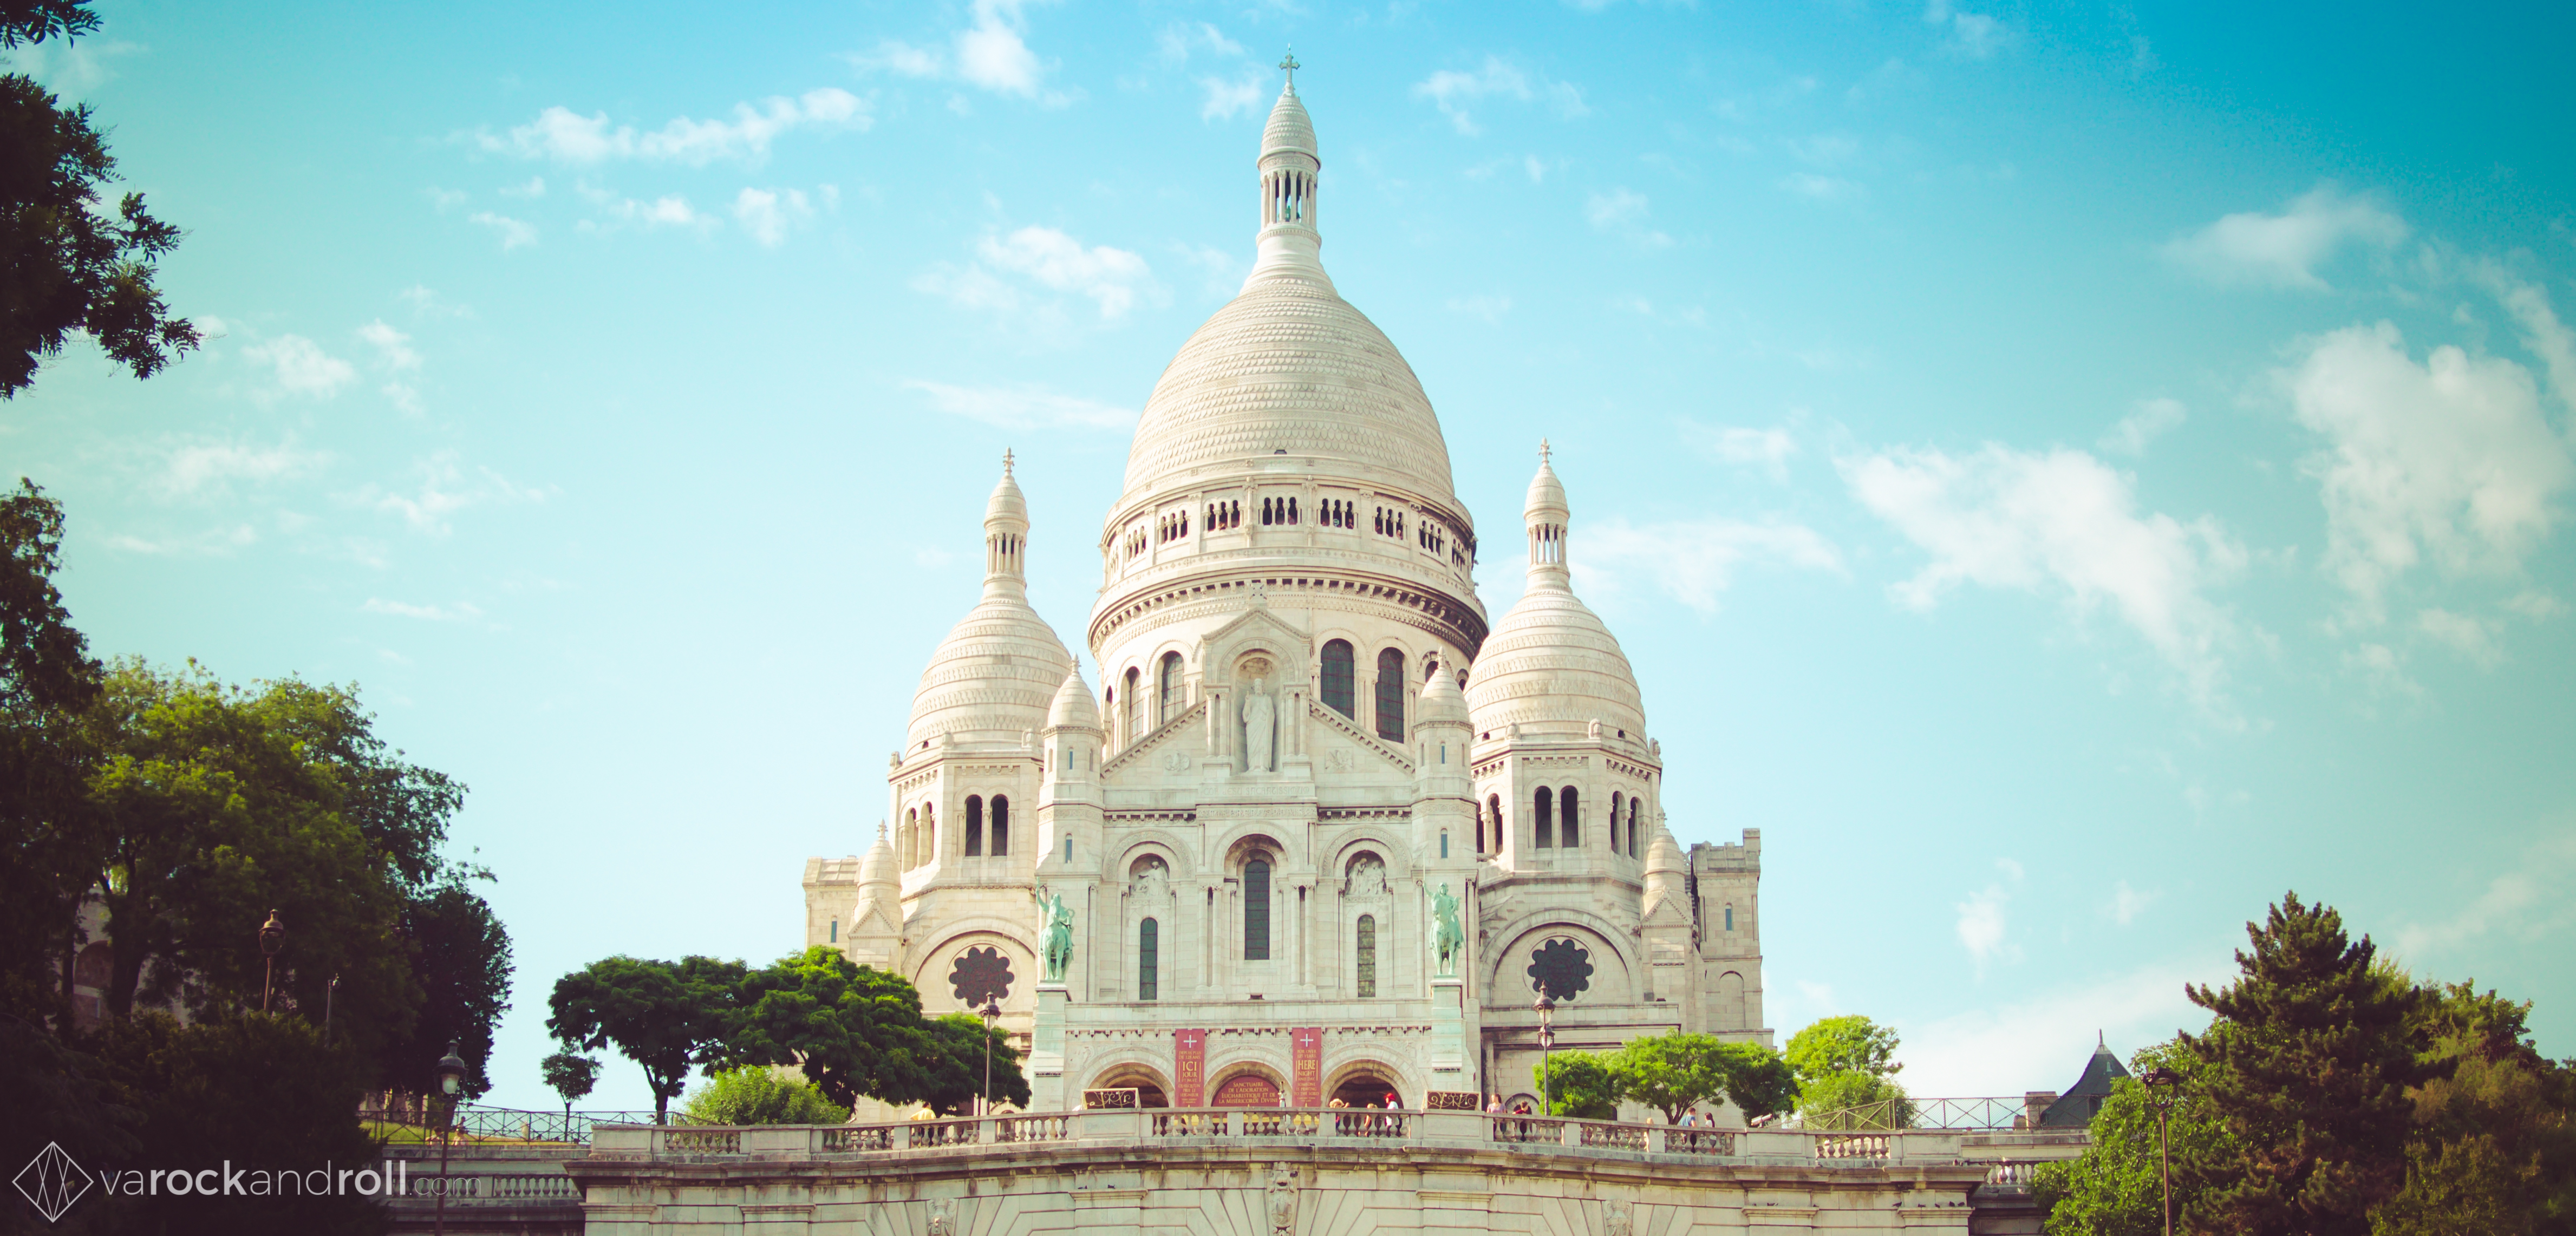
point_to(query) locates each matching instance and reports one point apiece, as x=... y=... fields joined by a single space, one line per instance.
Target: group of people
x=1521 y=1107
x=1355 y=1125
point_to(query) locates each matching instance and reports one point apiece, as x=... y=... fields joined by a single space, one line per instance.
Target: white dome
x=1073 y=709
x=1551 y=666
x=1289 y=366
x=992 y=678
x=878 y=866
x=1290 y=128
x=1441 y=703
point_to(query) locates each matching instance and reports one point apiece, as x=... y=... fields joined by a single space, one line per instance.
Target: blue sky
x=2065 y=475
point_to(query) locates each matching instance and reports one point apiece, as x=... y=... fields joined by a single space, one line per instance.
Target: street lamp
x=451 y=1076
x=2163 y=1087
x=1546 y=1043
x=272 y=937
x=992 y=1009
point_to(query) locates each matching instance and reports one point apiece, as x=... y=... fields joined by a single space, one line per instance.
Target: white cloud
x=767 y=214
x=2128 y=903
x=2471 y=637
x=445 y=489
x=2039 y=1043
x=1179 y=39
x=1735 y=444
x=460 y=612
x=191 y=468
x=2058 y=521
x=992 y=54
x=1982 y=927
x=1624 y=212
x=1452 y=91
x=2284 y=249
x=1974 y=35
x=1024 y=407
x=536 y=187
x=1693 y=561
x=1490 y=308
x=2532 y=900
x=2449 y=460
x=513 y=232
x=66 y=68
x=301 y=367
x=2153 y=419
x=565 y=136
x=426 y=303
x=392 y=346
x=1225 y=98
x=616 y=211
x=1113 y=279
x=1822 y=188
x=210 y=543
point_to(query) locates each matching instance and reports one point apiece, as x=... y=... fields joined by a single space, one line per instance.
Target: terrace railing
x=416 y=1122
x=1974 y=1114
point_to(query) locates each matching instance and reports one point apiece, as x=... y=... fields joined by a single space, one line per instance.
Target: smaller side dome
x=1009 y=507
x=1546 y=501
x=1441 y=702
x=878 y=867
x=1291 y=130
x=1073 y=709
x=1663 y=857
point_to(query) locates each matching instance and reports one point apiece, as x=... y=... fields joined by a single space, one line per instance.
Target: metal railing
x=1978 y=1114
x=418 y=1122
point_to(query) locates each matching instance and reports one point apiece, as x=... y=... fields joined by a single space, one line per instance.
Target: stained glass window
x=1368 y=956
x=1256 y=910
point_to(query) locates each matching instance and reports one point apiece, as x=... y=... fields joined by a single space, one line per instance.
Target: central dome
x=1288 y=365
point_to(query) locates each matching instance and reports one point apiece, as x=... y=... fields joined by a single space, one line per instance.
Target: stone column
x=1046 y=1051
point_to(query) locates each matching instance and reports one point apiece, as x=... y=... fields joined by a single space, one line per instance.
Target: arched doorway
x=1147 y=1084
x=1364 y=1088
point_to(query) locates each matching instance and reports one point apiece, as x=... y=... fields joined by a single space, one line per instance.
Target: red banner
x=1189 y=1069
x=1306 y=1062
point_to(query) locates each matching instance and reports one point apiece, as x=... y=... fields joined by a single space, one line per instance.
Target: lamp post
x=451 y=1076
x=2162 y=1086
x=330 y=994
x=992 y=1009
x=272 y=937
x=1546 y=1044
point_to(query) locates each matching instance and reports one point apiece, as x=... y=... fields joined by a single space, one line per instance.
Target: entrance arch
x=1246 y=1089
x=1367 y=1085
x=1148 y=1084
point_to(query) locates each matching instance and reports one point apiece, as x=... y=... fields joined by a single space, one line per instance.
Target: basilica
x=1324 y=829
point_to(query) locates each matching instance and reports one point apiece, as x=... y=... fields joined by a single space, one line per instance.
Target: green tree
x=1759 y=1080
x=2493 y=1145
x=2307 y=1065
x=757 y=1095
x=666 y=1018
x=570 y=1076
x=460 y=957
x=47 y=681
x=2115 y=1188
x=1846 y=1068
x=68 y=264
x=957 y=1068
x=1580 y=1084
x=259 y=1091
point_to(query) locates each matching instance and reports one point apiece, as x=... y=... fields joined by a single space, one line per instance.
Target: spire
x=1006 y=532
x=1289 y=65
x=1289 y=164
x=1545 y=515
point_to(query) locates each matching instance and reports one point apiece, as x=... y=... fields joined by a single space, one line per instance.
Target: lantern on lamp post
x=1546 y=1009
x=272 y=937
x=991 y=1012
x=2163 y=1087
x=451 y=1079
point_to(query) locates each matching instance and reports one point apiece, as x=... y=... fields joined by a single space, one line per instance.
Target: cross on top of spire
x=1542 y=450
x=1289 y=65
x=1006 y=461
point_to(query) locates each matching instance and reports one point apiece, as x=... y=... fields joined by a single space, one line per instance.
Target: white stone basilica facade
x=1310 y=743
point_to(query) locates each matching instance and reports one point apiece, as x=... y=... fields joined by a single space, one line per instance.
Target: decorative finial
x=1006 y=461
x=1290 y=66
x=1542 y=452
x=880 y=830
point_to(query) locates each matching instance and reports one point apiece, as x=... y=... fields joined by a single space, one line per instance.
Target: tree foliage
x=569 y=1075
x=2115 y=1188
x=666 y=1018
x=1581 y=1084
x=2492 y=1145
x=2307 y=1065
x=1846 y=1068
x=68 y=264
x=756 y=1095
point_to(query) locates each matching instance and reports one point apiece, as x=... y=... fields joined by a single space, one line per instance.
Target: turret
x=1444 y=803
x=1289 y=167
x=1069 y=795
x=875 y=937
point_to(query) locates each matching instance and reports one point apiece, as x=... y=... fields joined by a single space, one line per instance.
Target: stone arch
x=1234 y=843
x=1154 y=1084
x=1730 y=1001
x=1343 y=1068
x=1396 y=857
x=1248 y=1063
x=1160 y=844
x=1613 y=980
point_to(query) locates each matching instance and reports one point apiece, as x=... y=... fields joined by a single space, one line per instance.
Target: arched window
x=1569 y=820
x=1339 y=694
x=1368 y=957
x=1135 y=716
x=907 y=846
x=974 y=825
x=1256 y=910
x=1148 y=945
x=1001 y=826
x=928 y=846
x=1170 y=698
x=1632 y=826
x=1390 y=695
x=1730 y=918
x=1545 y=804
x=1614 y=822
x=1292 y=510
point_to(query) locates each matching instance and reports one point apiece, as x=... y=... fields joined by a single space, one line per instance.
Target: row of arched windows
x=1256 y=947
x=1341 y=690
x=1278 y=511
x=1172 y=527
x=917 y=841
x=975 y=826
x=1289 y=193
x=1556 y=822
x=1224 y=515
x=1340 y=514
x=1388 y=522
